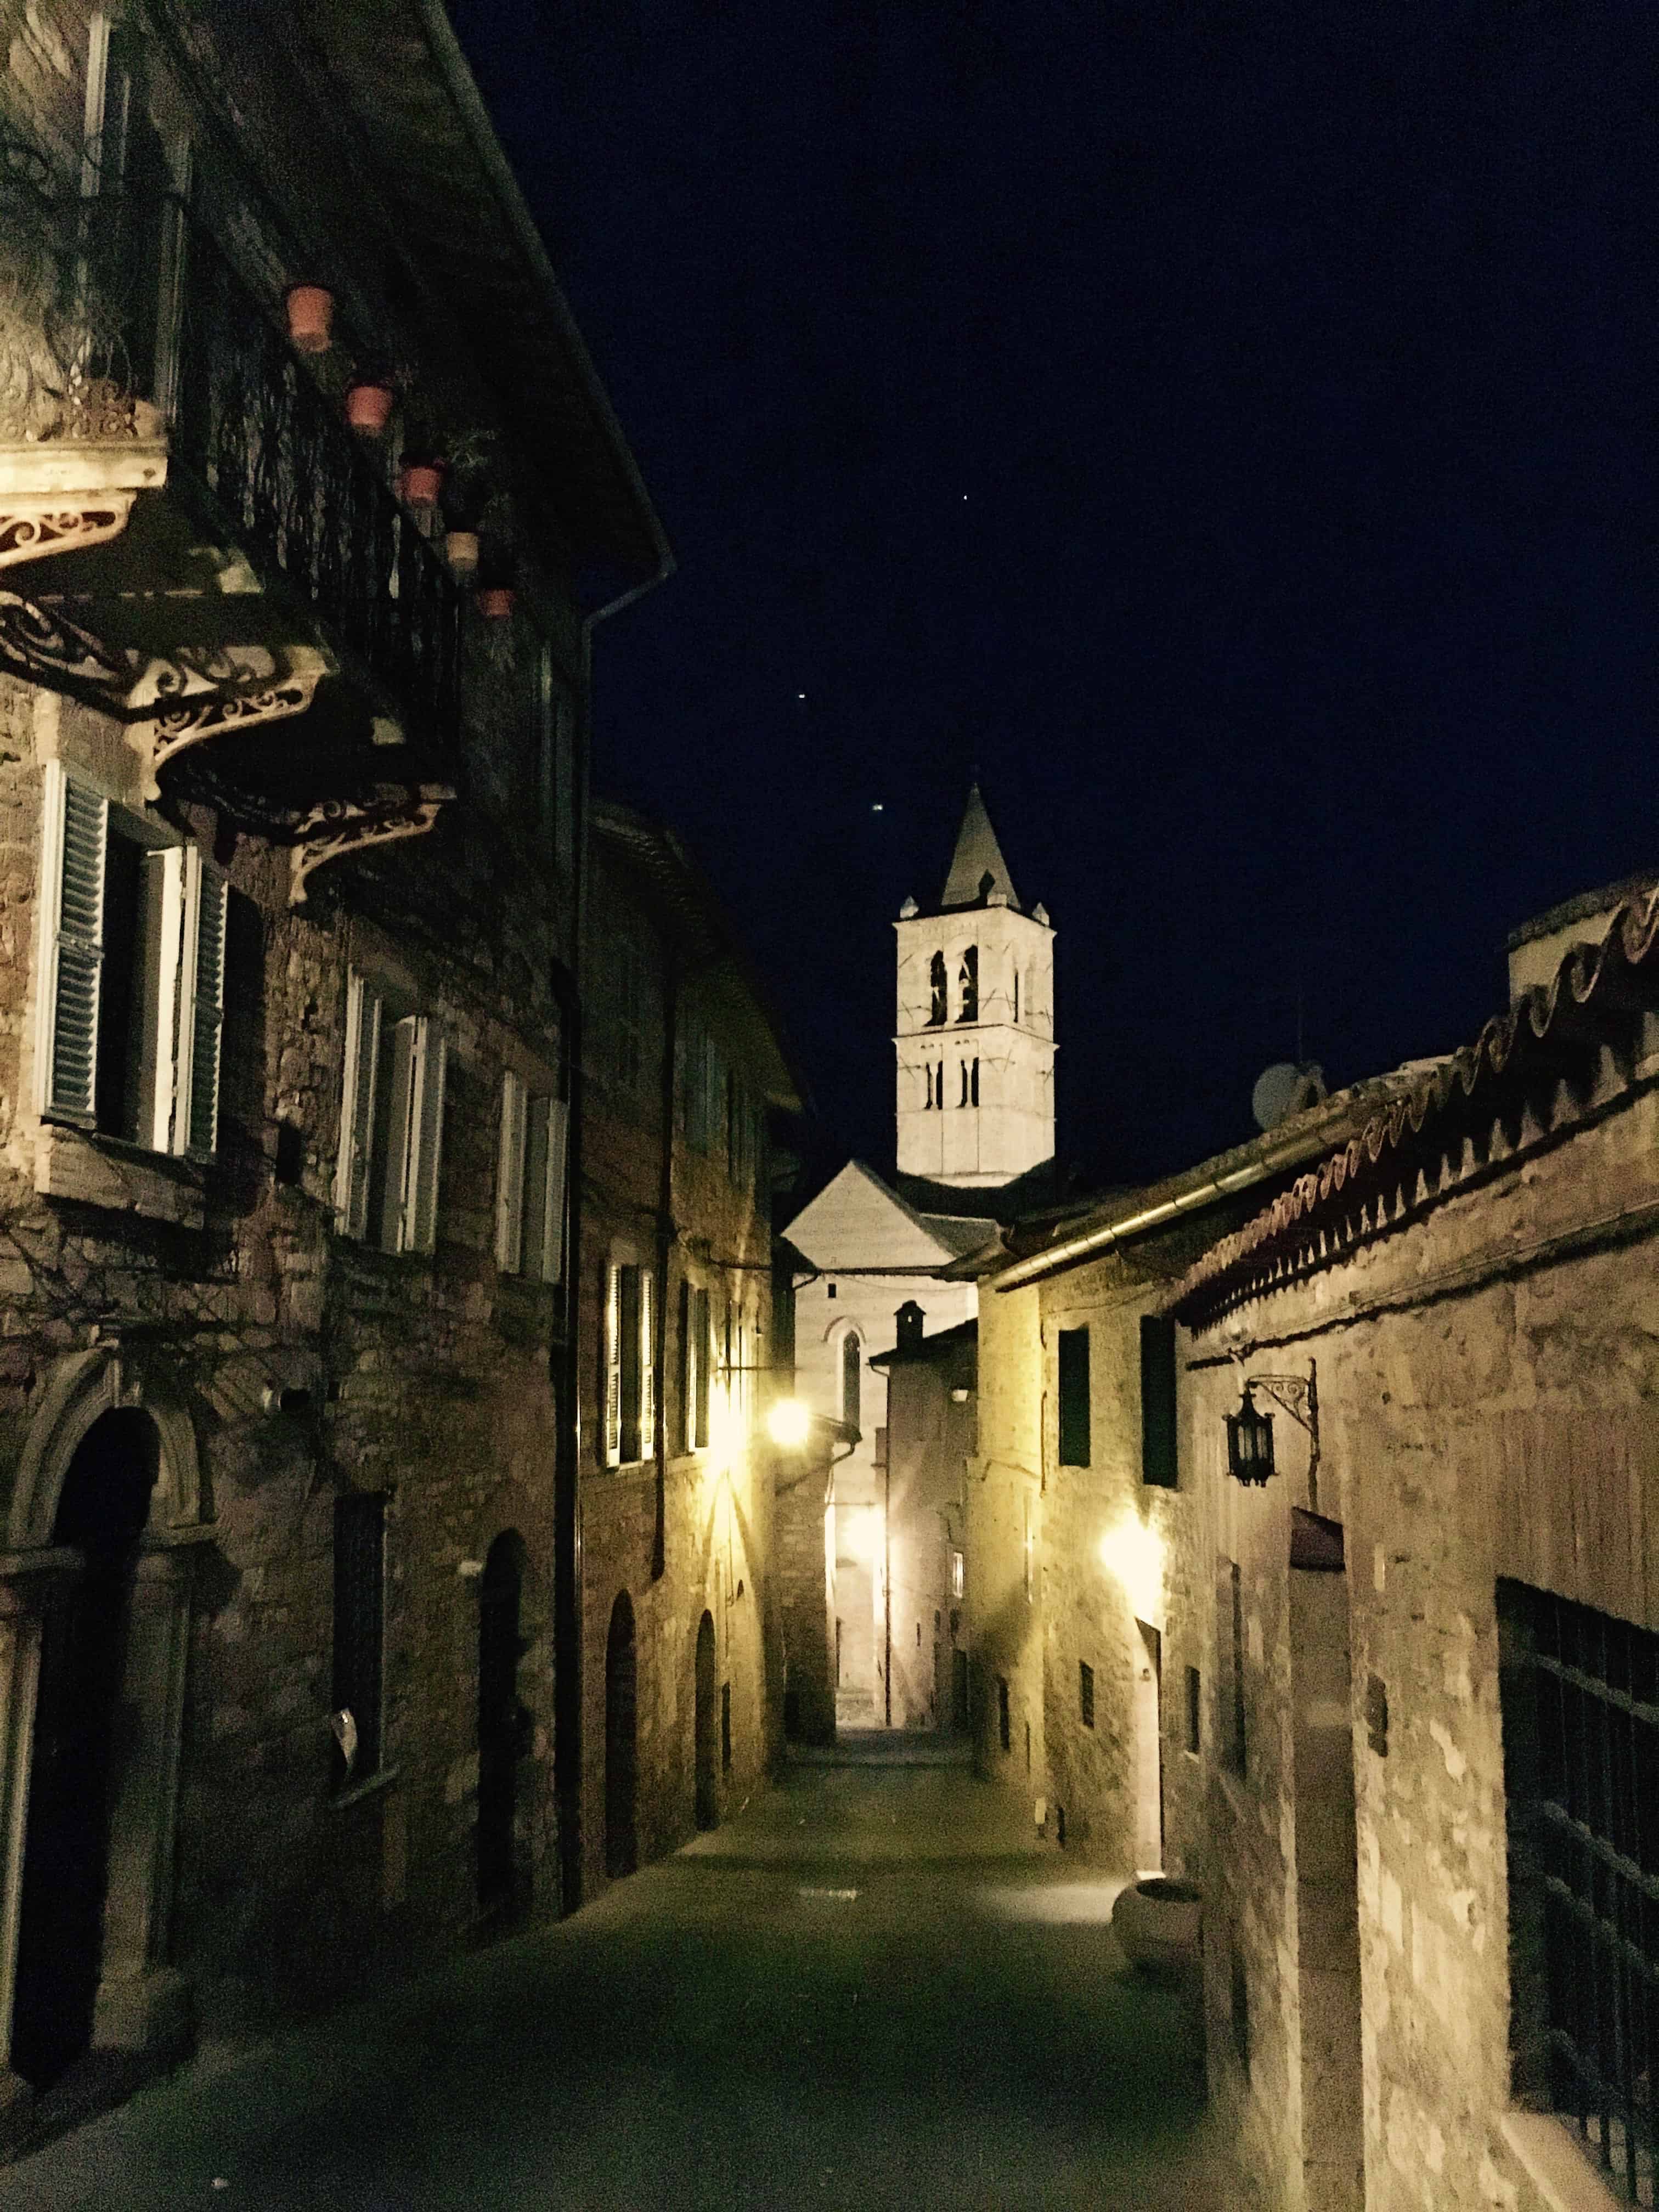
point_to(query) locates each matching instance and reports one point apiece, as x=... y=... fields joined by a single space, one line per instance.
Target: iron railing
x=1582 y=1748
x=144 y=303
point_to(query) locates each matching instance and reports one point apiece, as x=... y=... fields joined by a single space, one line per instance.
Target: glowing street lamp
x=789 y=1423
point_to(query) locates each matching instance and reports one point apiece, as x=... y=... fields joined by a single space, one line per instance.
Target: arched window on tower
x=973 y=1084
x=936 y=985
x=962 y=1070
x=1016 y=998
x=852 y=1373
x=967 y=985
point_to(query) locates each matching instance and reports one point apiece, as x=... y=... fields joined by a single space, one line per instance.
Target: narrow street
x=870 y=1989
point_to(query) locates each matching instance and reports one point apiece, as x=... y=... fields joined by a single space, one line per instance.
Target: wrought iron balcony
x=226 y=561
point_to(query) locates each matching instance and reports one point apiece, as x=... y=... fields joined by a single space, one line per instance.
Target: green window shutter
x=510 y=1176
x=628 y=1338
x=77 y=841
x=558 y=1120
x=1158 y=1401
x=1074 y=1397
x=426 y=1128
x=201 y=1008
x=362 y=1053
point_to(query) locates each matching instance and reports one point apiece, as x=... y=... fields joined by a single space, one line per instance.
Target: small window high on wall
x=1074 y=1397
x=1158 y=1401
x=852 y=1378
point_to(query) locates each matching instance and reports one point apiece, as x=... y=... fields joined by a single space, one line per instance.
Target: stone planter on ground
x=1157 y=1924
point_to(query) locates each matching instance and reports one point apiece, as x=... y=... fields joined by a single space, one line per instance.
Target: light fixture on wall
x=1251 y=1432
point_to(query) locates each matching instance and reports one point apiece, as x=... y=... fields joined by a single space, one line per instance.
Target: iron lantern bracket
x=1298 y=1396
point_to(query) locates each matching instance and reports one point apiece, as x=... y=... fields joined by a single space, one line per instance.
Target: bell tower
x=975 y=1037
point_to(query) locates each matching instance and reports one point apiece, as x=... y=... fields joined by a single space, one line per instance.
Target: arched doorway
x=83 y=1744
x=621 y=1715
x=708 y=1772
x=502 y=1717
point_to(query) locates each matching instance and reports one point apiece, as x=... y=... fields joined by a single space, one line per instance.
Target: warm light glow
x=727 y=1433
x=1135 y=1553
x=860 y=1534
x=789 y=1423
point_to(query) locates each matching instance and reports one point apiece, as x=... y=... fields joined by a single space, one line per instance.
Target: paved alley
x=872 y=1990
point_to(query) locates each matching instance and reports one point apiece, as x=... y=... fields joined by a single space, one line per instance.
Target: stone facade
x=1355 y=1731
x=677 y=1483
x=287 y=1434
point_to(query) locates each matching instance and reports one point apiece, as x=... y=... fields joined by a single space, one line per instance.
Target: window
x=630 y=1413
x=1017 y=997
x=1005 y=1733
x=133 y=963
x=530 y=1182
x=935 y=988
x=1074 y=1397
x=1194 y=1710
x=1579 y=1692
x=852 y=1378
x=1086 y=1694
x=967 y=985
x=392 y=1116
x=359 y=1629
x=973 y=1083
x=959 y=1573
x=1158 y=1401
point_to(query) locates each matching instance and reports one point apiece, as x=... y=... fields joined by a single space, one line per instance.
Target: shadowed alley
x=868 y=1989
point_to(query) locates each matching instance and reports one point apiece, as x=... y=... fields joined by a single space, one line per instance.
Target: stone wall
x=1005 y=1506
x=1486 y=1377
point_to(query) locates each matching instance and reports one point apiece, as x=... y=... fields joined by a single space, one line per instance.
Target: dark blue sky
x=1231 y=427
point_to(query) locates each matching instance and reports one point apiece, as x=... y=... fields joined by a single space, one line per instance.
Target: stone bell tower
x=975 y=1037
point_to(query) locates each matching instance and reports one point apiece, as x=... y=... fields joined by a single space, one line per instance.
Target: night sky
x=1232 y=429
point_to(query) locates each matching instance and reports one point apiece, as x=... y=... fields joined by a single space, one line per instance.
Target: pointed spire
x=977 y=867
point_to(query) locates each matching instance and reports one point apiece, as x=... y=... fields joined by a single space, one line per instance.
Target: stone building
x=1431 y=1715
x=1075 y=1493
x=682 y=1644
x=289 y=1031
x=974 y=1122
x=1406 y=1710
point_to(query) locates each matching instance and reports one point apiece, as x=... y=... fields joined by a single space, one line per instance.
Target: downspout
x=564 y=1360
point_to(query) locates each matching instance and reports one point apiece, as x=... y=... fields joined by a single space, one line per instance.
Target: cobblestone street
x=870 y=1989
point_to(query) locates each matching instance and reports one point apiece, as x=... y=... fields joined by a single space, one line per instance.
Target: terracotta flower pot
x=462 y=547
x=368 y=407
x=496 y=602
x=421 y=481
x=311 y=316
x=1158 y=1923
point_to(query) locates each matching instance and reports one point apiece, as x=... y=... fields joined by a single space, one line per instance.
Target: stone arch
x=81 y=1389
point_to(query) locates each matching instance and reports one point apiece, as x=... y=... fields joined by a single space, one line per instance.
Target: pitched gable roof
x=858 y=1224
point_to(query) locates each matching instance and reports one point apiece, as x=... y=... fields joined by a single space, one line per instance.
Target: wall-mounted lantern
x=1251 y=1432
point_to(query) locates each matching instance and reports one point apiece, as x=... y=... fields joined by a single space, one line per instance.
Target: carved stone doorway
x=84 y=1744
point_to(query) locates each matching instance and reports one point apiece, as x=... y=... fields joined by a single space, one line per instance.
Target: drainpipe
x=564 y=1373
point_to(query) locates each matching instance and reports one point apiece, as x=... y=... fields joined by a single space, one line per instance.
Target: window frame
x=1160 y=1457
x=1073 y=1391
x=182 y=953
x=530 y=1197
x=411 y=1057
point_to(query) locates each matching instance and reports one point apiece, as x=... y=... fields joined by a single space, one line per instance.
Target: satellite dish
x=1285 y=1089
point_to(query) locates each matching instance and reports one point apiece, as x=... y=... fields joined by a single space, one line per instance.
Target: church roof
x=978 y=855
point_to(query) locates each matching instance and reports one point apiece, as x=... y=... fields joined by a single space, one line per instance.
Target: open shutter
x=76 y=836
x=612 y=1365
x=426 y=1125
x=362 y=1053
x=628 y=1334
x=202 y=1005
x=510 y=1176
x=558 y=1118
x=647 y=1365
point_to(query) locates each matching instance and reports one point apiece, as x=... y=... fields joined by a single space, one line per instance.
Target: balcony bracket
x=61 y=496
x=42 y=646
x=339 y=828
x=198 y=711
